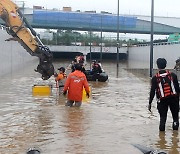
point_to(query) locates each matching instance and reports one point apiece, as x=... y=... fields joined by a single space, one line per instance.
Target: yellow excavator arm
x=19 y=28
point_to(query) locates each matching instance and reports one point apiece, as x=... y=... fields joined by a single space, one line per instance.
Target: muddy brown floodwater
x=113 y=119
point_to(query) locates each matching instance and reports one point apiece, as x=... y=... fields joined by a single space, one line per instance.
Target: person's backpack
x=165 y=87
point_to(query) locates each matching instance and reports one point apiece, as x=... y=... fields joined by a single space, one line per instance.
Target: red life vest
x=165 y=87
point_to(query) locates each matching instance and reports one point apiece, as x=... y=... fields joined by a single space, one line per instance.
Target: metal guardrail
x=156 y=44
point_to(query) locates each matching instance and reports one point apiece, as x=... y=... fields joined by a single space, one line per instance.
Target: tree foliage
x=70 y=37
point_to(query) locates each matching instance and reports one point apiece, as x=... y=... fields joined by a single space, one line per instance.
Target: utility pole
x=101 y=39
x=90 y=48
x=90 y=42
x=152 y=32
x=118 y=36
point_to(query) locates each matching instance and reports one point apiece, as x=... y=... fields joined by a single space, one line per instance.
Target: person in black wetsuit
x=166 y=87
x=96 y=68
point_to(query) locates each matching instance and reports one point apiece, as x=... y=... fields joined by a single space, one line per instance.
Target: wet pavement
x=113 y=119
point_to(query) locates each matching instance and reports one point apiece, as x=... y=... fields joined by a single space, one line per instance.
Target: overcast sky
x=140 y=7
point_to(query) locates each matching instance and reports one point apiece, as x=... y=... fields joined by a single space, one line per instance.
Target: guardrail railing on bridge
x=155 y=44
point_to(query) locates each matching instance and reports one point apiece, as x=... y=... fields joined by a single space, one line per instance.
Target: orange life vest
x=61 y=79
x=165 y=87
x=61 y=76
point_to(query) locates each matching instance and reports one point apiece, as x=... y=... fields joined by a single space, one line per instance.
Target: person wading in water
x=74 y=86
x=165 y=85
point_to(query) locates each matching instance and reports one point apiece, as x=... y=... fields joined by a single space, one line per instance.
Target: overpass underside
x=94 y=55
x=94 y=22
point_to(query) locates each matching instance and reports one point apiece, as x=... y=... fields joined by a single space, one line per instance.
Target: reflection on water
x=168 y=142
x=76 y=129
x=115 y=117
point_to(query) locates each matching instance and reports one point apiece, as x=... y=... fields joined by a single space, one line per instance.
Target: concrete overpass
x=83 y=21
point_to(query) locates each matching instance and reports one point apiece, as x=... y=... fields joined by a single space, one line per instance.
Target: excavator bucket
x=45 y=67
x=46 y=70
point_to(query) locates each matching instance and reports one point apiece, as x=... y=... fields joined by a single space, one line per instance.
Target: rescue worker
x=74 y=86
x=81 y=59
x=73 y=65
x=60 y=79
x=99 y=62
x=165 y=85
x=96 y=68
x=77 y=58
x=177 y=66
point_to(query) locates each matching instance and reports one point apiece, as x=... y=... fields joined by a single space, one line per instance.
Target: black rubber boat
x=147 y=150
x=101 y=77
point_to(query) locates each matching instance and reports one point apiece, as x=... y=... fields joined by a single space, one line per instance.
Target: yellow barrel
x=41 y=90
x=85 y=99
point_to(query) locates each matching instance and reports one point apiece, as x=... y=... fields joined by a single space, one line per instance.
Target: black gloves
x=87 y=94
x=64 y=93
x=55 y=74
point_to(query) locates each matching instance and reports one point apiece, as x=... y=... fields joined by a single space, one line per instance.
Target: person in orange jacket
x=74 y=85
x=60 y=79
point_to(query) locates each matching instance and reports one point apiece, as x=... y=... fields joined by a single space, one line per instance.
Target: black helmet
x=161 y=63
x=178 y=60
x=61 y=69
x=78 y=66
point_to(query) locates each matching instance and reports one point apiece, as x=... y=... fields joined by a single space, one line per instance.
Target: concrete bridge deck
x=49 y=19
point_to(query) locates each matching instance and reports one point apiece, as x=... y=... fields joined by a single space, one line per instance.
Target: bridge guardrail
x=155 y=44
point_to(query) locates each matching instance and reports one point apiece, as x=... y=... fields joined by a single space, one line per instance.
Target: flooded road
x=113 y=119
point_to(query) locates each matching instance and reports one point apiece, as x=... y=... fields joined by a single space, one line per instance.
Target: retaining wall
x=12 y=55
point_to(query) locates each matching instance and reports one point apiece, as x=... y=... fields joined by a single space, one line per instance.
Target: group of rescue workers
x=164 y=84
x=75 y=81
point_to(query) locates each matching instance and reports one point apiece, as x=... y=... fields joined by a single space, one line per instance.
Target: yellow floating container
x=41 y=90
x=85 y=99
